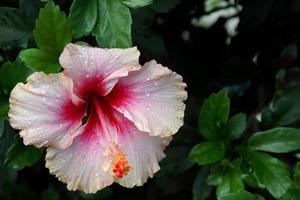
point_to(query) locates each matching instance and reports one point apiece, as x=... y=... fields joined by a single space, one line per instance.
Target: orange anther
x=120 y=166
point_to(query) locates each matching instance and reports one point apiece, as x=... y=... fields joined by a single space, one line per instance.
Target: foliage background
x=259 y=66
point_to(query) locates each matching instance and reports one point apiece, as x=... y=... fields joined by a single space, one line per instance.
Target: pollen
x=120 y=166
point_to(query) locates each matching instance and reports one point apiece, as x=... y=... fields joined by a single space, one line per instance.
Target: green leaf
x=243 y=195
x=15 y=30
x=237 y=125
x=19 y=156
x=4 y=107
x=40 y=60
x=270 y=172
x=201 y=190
x=164 y=6
x=11 y=74
x=287 y=109
x=207 y=153
x=113 y=28
x=291 y=194
x=1 y=127
x=52 y=30
x=231 y=182
x=31 y=9
x=214 y=115
x=216 y=175
x=5 y=141
x=83 y=17
x=277 y=140
x=137 y=3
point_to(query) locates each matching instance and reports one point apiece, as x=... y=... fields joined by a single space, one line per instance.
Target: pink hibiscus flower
x=104 y=119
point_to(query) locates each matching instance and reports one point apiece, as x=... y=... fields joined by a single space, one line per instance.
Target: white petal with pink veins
x=143 y=152
x=46 y=110
x=109 y=148
x=153 y=98
x=96 y=67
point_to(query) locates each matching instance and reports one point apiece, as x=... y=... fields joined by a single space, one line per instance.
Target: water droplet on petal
x=148 y=108
x=148 y=95
x=87 y=76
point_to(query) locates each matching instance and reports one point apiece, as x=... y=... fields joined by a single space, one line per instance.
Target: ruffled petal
x=110 y=148
x=97 y=69
x=83 y=166
x=46 y=110
x=153 y=98
x=143 y=152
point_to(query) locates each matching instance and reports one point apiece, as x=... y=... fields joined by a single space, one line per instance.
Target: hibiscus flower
x=104 y=119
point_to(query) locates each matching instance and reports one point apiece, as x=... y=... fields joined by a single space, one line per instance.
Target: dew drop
x=87 y=76
x=148 y=95
x=148 y=108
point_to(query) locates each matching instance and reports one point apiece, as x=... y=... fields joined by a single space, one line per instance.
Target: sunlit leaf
x=40 y=60
x=52 y=30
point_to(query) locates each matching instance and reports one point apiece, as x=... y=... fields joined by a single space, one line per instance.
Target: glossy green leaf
x=40 y=60
x=19 y=156
x=216 y=175
x=113 y=28
x=237 y=125
x=214 y=115
x=277 y=140
x=243 y=195
x=52 y=30
x=231 y=182
x=15 y=30
x=201 y=190
x=164 y=6
x=83 y=17
x=207 y=153
x=11 y=74
x=270 y=172
x=291 y=194
x=137 y=3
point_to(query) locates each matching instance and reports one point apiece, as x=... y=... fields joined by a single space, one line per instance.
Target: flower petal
x=82 y=166
x=97 y=69
x=109 y=148
x=143 y=152
x=85 y=165
x=153 y=98
x=46 y=110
